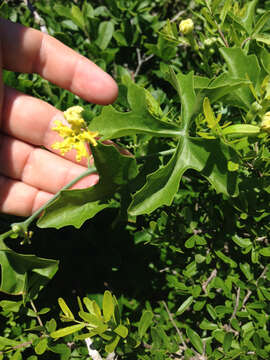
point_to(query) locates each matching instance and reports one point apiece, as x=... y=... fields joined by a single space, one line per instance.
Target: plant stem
x=24 y=224
x=161 y=153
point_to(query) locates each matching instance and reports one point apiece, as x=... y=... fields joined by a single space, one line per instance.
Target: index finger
x=31 y=51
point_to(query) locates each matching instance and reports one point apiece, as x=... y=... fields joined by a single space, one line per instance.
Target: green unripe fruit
x=16 y=228
x=255 y=107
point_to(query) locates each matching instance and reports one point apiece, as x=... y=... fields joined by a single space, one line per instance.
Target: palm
x=30 y=175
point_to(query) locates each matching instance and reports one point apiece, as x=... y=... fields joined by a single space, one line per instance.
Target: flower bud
x=265 y=124
x=186 y=26
x=209 y=41
x=255 y=107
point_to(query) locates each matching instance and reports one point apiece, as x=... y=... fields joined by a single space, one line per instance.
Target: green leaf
x=41 y=346
x=265 y=251
x=105 y=33
x=113 y=124
x=263 y=38
x=228 y=338
x=51 y=325
x=247 y=17
x=241 y=66
x=195 y=340
x=91 y=319
x=232 y=166
x=110 y=347
x=186 y=304
x=8 y=342
x=24 y=274
x=184 y=85
x=67 y=331
x=226 y=7
x=89 y=305
x=242 y=242
x=108 y=306
x=61 y=349
x=226 y=259
x=209 y=157
x=245 y=268
x=66 y=310
x=223 y=85
x=261 y=22
x=62 y=10
x=77 y=16
x=265 y=59
x=207 y=325
x=145 y=322
x=121 y=330
x=74 y=207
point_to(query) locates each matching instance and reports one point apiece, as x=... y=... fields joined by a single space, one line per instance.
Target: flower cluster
x=75 y=136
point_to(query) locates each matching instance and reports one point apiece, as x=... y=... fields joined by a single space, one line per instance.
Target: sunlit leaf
x=24 y=274
x=67 y=331
x=74 y=207
x=112 y=124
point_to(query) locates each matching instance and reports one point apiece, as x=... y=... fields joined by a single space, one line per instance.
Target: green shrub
x=186 y=244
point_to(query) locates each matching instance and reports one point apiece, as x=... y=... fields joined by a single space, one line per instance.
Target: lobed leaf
x=242 y=66
x=209 y=157
x=112 y=124
x=24 y=274
x=74 y=207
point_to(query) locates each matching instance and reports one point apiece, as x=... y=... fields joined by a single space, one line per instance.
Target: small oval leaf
x=41 y=347
x=227 y=341
x=67 y=331
x=186 y=304
x=195 y=340
x=145 y=322
x=107 y=306
x=121 y=330
x=66 y=310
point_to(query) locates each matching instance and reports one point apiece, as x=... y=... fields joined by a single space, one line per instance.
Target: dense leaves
x=179 y=227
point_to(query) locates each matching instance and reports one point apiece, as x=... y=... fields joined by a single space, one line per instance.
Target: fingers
x=20 y=199
x=33 y=124
x=39 y=168
x=28 y=50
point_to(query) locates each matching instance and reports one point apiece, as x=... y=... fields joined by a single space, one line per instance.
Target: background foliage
x=192 y=277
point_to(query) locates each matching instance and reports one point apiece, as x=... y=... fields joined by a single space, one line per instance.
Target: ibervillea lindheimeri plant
x=198 y=141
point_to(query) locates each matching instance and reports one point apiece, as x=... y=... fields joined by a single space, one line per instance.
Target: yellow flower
x=186 y=26
x=265 y=124
x=76 y=136
x=74 y=118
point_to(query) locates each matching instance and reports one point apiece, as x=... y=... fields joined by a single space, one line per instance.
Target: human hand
x=29 y=174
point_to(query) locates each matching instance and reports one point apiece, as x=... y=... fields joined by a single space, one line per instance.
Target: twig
x=218 y=27
x=38 y=19
x=236 y=304
x=94 y=354
x=36 y=313
x=256 y=283
x=221 y=34
x=141 y=61
x=24 y=344
x=174 y=324
x=211 y=277
x=177 y=15
x=112 y=356
x=249 y=292
x=245 y=41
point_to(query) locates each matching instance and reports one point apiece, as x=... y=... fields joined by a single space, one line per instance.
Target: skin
x=29 y=174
